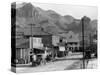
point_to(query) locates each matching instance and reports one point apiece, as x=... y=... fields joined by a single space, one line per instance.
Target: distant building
x=55 y=40
x=95 y=38
x=73 y=42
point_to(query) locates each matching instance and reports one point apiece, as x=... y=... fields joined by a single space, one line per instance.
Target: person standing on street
x=34 y=60
x=44 y=57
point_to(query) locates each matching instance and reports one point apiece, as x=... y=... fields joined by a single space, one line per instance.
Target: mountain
x=93 y=24
x=25 y=11
x=52 y=22
x=69 y=19
x=28 y=14
x=53 y=14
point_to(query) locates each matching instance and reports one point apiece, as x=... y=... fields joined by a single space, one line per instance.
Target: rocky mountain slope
x=52 y=22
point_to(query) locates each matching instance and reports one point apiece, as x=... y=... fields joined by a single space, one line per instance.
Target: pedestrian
x=34 y=60
x=69 y=52
x=44 y=57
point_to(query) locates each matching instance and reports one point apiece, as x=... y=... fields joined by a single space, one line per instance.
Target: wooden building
x=22 y=51
x=32 y=39
x=38 y=32
x=73 y=42
x=71 y=39
x=55 y=40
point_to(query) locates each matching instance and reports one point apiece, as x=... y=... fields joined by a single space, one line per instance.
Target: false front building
x=33 y=37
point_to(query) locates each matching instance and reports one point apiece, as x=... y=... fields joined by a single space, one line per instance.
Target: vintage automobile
x=39 y=52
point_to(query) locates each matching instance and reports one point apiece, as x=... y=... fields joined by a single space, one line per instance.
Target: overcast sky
x=74 y=10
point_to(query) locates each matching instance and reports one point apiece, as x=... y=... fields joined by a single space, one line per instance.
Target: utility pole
x=90 y=40
x=83 y=43
x=32 y=36
x=31 y=39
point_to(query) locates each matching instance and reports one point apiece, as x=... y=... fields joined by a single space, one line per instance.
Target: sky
x=76 y=11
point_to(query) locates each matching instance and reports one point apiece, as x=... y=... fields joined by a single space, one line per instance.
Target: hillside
x=52 y=22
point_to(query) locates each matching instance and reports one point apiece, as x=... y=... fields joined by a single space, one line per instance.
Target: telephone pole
x=83 y=43
x=90 y=40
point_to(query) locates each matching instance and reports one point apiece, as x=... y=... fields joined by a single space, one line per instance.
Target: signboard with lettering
x=61 y=48
x=35 y=42
x=55 y=40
